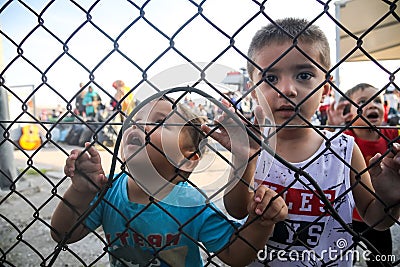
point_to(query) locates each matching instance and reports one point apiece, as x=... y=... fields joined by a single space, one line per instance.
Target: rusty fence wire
x=36 y=141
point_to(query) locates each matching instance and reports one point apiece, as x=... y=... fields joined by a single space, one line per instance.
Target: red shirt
x=370 y=148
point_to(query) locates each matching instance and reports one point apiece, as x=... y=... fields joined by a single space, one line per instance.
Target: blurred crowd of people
x=90 y=106
x=210 y=111
x=89 y=103
x=93 y=110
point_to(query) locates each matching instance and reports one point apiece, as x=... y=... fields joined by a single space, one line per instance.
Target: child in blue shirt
x=152 y=215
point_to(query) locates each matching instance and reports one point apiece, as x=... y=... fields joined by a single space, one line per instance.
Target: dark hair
x=289 y=30
x=358 y=87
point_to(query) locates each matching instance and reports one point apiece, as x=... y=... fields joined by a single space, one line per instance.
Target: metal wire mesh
x=27 y=204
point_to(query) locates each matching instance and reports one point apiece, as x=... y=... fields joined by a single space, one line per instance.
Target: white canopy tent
x=374 y=24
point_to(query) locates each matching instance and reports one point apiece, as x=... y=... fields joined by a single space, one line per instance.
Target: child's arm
x=230 y=135
x=265 y=210
x=79 y=194
x=236 y=198
x=382 y=179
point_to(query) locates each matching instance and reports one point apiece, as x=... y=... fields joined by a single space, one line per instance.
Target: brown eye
x=304 y=76
x=270 y=79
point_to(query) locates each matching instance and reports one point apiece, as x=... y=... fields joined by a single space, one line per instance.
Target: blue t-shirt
x=166 y=233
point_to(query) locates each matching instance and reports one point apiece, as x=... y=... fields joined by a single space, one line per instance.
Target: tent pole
x=338 y=5
x=8 y=171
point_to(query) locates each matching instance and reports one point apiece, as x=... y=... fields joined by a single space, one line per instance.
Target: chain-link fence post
x=7 y=166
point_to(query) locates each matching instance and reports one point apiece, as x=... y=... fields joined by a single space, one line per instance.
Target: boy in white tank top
x=289 y=70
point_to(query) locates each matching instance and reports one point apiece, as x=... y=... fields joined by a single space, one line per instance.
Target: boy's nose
x=133 y=125
x=373 y=105
x=286 y=88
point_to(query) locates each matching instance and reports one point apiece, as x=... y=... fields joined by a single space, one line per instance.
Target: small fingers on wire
x=69 y=168
x=269 y=206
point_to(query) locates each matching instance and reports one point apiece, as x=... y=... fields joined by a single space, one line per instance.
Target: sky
x=53 y=46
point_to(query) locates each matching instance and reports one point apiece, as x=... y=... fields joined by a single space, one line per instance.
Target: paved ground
x=25 y=214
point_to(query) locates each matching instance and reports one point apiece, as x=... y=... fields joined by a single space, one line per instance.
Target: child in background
x=158 y=217
x=289 y=86
x=370 y=142
x=128 y=103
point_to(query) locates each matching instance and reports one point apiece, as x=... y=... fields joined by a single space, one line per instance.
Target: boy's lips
x=288 y=110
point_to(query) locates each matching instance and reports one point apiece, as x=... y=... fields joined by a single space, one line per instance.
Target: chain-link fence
x=96 y=43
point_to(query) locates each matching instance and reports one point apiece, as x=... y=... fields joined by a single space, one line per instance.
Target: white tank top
x=310 y=236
